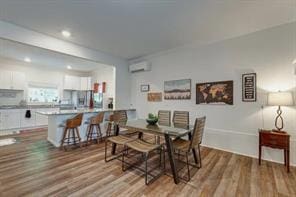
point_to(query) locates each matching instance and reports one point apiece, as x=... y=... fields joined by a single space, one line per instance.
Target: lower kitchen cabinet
x=10 y=119
x=28 y=121
x=16 y=118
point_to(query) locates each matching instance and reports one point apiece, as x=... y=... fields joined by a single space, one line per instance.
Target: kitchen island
x=57 y=118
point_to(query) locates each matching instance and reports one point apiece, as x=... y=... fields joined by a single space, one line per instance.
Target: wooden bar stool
x=110 y=125
x=71 y=131
x=94 y=128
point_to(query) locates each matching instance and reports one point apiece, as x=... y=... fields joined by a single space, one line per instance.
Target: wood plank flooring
x=33 y=167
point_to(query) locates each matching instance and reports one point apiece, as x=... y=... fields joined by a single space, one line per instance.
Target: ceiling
x=44 y=58
x=134 y=28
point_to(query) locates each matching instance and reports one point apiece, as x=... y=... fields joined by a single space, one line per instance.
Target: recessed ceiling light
x=69 y=67
x=27 y=59
x=66 y=33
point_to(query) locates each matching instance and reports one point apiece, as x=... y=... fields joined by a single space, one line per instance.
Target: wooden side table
x=279 y=140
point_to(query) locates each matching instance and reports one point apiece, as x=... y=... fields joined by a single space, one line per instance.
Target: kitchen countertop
x=2 y=107
x=84 y=110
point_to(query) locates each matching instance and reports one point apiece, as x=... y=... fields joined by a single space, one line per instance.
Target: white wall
x=269 y=53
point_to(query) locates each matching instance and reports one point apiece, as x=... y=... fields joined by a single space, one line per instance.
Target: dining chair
x=122 y=138
x=71 y=131
x=164 y=117
x=145 y=149
x=186 y=146
x=181 y=118
x=94 y=128
x=121 y=117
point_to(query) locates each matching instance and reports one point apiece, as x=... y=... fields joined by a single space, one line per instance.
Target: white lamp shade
x=280 y=99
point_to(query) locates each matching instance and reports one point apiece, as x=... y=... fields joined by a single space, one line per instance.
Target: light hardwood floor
x=33 y=167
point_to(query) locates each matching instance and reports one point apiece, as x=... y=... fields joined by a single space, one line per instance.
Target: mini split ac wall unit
x=140 y=67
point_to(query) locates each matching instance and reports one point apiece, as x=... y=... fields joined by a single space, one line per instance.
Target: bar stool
x=94 y=124
x=71 y=131
x=110 y=125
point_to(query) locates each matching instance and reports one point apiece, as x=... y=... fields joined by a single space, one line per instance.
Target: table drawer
x=274 y=141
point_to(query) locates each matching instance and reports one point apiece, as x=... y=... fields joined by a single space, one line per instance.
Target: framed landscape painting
x=177 y=89
x=154 y=97
x=220 y=92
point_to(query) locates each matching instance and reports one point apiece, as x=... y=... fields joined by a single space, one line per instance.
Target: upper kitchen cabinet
x=85 y=83
x=72 y=82
x=18 y=81
x=77 y=83
x=11 y=80
x=5 y=78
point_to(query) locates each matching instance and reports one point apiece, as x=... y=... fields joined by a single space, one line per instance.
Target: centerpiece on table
x=152 y=119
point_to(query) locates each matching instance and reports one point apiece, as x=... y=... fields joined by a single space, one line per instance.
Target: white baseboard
x=244 y=144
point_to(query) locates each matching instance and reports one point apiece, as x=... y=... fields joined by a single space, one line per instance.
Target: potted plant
x=152 y=119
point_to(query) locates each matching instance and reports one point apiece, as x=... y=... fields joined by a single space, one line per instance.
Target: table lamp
x=280 y=99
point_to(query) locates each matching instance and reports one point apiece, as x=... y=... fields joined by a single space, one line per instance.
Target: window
x=43 y=95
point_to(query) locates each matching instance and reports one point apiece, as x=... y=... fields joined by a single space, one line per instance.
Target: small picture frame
x=249 y=87
x=145 y=88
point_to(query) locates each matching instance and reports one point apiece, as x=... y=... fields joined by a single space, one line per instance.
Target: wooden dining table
x=169 y=132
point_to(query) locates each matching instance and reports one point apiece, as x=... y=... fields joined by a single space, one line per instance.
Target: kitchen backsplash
x=8 y=97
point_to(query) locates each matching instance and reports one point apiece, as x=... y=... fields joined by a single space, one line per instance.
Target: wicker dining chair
x=123 y=136
x=164 y=117
x=185 y=146
x=145 y=149
x=181 y=118
x=121 y=117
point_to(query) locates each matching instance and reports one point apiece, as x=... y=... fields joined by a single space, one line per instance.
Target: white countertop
x=77 y=111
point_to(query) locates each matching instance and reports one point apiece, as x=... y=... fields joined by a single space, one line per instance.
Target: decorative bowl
x=152 y=121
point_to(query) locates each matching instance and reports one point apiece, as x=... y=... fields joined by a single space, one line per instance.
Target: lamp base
x=279 y=122
x=278 y=131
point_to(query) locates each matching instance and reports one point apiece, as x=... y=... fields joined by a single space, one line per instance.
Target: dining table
x=169 y=132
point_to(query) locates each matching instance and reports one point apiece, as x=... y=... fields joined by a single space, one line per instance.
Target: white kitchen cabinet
x=68 y=82
x=16 y=118
x=10 y=119
x=85 y=83
x=6 y=79
x=72 y=82
x=76 y=83
x=11 y=80
x=28 y=122
x=18 y=81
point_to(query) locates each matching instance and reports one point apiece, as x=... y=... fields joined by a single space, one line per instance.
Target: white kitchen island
x=57 y=118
